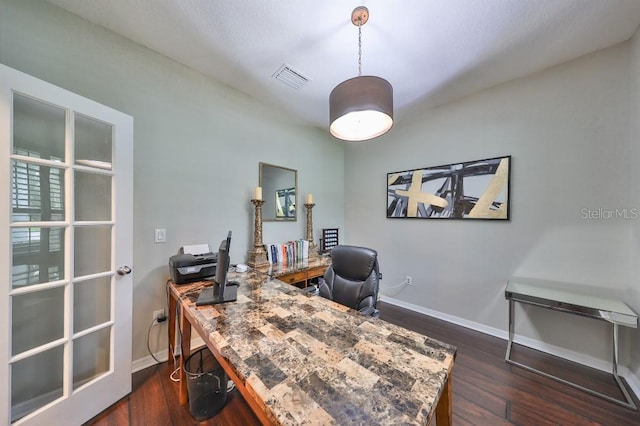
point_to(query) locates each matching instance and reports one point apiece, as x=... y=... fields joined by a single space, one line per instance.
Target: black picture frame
x=472 y=190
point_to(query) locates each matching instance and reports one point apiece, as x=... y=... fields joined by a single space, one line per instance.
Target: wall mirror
x=279 y=192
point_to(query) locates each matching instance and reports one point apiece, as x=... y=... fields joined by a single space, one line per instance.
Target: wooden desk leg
x=444 y=409
x=185 y=351
x=171 y=359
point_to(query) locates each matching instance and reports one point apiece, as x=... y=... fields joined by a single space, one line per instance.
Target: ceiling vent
x=290 y=77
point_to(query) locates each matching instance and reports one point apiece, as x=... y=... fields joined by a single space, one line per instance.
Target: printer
x=189 y=267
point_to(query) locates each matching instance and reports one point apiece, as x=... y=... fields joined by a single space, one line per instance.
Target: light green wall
x=197 y=143
x=568 y=131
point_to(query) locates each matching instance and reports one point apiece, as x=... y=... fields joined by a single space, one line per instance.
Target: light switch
x=160 y=236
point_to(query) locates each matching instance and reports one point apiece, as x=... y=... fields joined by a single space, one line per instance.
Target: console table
x=613 y=311
x=297 y=273
x=302 y=359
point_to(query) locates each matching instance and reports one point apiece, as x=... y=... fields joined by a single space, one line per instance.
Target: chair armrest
x=370 y=311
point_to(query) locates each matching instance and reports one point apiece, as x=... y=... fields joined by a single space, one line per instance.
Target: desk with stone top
x=298 y=273
x=297 y=358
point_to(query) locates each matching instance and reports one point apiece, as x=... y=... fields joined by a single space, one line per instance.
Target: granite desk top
x=278 y=269
x=312 y=361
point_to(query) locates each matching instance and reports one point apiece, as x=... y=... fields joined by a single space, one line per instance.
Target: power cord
x=159 y=320
x=155 y=321
x=172 y=348
x=402 y=285
x=173 y=376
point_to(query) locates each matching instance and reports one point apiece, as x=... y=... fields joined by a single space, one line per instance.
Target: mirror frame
x=269 y=194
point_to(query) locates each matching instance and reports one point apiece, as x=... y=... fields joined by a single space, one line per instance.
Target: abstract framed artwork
x=471 y=190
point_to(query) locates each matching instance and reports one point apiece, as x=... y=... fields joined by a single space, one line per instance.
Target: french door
x=65 y=253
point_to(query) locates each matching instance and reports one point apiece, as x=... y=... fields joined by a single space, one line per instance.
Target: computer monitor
x=222 y=291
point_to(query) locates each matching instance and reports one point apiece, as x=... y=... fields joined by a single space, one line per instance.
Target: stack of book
x=291 y=251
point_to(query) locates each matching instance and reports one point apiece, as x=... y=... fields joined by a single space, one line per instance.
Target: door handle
x=124 y=270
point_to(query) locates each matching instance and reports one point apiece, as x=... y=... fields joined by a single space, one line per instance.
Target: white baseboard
x=148 y=361
x=574 y=356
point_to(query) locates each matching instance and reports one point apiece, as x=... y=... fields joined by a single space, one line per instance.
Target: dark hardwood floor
x=486 y=390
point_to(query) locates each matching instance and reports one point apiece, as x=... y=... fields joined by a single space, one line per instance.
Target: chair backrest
x=353 y=277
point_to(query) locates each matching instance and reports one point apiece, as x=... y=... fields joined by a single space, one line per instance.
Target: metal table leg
x=628 y=403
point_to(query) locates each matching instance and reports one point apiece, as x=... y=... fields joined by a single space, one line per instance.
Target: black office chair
x=352 y=279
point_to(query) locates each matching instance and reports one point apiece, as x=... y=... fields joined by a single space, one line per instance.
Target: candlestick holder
x=313 y=249
x=257 y=256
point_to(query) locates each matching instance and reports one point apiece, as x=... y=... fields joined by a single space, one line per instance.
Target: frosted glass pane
x=92 y=250
x=36 y=318
x=35 y=382
x=38 y=129
x=93 y=196
x=38 y=255
x=91 y=354
x=37 y=192
x=93 y=145
x=91 y=303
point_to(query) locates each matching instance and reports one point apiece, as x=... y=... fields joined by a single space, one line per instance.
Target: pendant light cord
x=359 y=48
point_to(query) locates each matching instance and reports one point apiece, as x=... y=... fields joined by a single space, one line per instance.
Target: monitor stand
x=210 y=296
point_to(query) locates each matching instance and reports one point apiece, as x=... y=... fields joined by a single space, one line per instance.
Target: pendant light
x=361 y=108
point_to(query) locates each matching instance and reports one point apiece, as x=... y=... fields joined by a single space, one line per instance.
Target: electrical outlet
x=158 y=314
x=408 y=279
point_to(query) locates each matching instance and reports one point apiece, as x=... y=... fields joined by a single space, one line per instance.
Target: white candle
x=309 y=199
x=258 y=194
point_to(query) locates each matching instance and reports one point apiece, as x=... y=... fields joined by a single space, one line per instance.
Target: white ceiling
x=431 y=51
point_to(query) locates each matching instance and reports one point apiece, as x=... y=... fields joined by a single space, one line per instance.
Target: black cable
x=148 y=338
x=155 y=321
